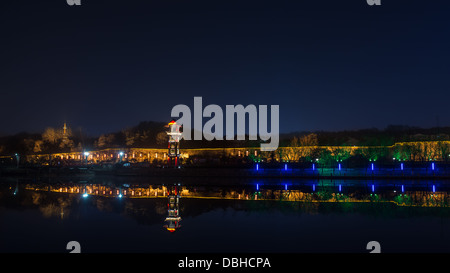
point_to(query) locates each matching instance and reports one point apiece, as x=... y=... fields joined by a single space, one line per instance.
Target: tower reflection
x=172 y=221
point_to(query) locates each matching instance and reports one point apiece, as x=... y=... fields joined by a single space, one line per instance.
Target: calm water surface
x=46 y=220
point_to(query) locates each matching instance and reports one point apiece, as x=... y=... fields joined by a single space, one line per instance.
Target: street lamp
x=86 y=154
x=17 y=159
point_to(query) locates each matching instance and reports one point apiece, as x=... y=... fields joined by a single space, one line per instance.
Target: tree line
x=150 y=134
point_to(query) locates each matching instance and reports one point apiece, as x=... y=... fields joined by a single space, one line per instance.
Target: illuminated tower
x=66 y=133
x=172 y=221
x=65 y=137
x=174 y=133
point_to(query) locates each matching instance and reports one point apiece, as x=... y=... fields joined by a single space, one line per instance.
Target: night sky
x=330 y=65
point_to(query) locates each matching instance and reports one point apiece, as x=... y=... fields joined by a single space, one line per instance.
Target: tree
x=29 y=144
x=101 y=142
x=162 y=138
x=401 y=152
x=38 y=146
x=414 y=150
x=129 y=138
x=292 y=152
x=326 y=158
x=51 y=135
x=301 y=148
x=308 y=140
x=444 y=150
x=66 y=144
x=105 y=140
x=340 y=153
x=309 y=143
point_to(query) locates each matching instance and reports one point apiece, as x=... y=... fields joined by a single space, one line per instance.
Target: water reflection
x=58 y=199
x=243 y=217
x=324 y=193
x=172 y=221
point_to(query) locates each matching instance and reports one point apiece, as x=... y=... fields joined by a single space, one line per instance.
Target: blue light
x=85 y=195
x=285 y=187
x=314 y=187
x=120 y=195
x=340 y=187
x=372 y=166
x=285 y=167
x=257 y=167
x=314 y=166
x=434 y=188
x=339 y=166
x=257 y=187
x=403 y=188
x=432 y=166
x=373 y=188
x=401 y=166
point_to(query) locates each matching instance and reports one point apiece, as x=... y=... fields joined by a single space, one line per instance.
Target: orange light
x=171 y=229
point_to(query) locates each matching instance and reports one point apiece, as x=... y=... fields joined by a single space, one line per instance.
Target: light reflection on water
x=44 y=216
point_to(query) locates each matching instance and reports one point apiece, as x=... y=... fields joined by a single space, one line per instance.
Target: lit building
x=175 y=134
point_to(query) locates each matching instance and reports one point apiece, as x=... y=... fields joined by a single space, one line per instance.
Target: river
x=111 y=214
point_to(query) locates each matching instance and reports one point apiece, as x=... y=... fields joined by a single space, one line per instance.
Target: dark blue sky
x=330 y=65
